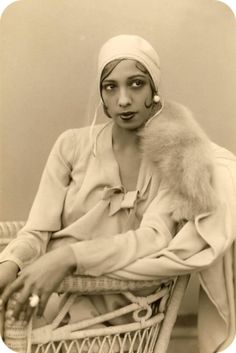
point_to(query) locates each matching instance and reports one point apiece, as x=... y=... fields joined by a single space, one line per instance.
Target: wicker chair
x=153 y=316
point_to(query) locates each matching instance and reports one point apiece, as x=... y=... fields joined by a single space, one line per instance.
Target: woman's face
x=127 y=95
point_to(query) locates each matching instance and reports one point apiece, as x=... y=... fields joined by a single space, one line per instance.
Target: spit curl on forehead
x=108 y=69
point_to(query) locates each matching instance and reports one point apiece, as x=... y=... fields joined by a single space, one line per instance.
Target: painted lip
x=127 y=115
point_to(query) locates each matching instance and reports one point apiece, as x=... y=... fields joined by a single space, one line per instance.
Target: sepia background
x=48 y=51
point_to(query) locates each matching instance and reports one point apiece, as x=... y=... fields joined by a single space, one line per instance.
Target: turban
x=130 y=47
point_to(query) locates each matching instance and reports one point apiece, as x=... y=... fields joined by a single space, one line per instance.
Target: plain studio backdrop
x=48 y=59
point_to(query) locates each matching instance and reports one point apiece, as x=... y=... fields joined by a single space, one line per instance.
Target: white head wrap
x=127 y=47
x=130 y=47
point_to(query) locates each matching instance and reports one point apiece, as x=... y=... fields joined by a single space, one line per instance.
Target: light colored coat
x=201 y=177
x=183 y=177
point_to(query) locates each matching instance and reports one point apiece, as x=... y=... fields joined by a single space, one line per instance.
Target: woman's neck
x=124 y=139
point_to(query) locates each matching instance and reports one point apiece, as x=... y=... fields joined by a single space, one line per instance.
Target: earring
x=156 y=98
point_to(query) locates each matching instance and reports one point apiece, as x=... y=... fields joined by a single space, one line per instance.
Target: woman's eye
x=137 y=83
x=109 y=87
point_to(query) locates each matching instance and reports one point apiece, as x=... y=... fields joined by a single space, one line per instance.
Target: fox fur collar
x=183 y=156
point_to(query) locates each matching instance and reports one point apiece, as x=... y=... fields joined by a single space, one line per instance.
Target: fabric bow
x=119 y=199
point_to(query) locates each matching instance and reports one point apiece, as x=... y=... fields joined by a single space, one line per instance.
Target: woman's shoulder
x=78 y=136
x=71 y=142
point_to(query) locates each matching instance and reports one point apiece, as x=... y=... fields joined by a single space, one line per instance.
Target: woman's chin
x=129 y=124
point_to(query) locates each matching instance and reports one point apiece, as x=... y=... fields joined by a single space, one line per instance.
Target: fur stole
x=182 y=154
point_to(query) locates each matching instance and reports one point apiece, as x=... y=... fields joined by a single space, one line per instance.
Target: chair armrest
x=8 y=232
x=93 y=285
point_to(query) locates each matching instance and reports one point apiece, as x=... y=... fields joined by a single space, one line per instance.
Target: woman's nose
x=124 y=98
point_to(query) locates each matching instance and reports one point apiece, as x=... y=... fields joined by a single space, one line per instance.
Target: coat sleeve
x=45 y=215
x=200 y=243
x=107 y=254
x=152 y=251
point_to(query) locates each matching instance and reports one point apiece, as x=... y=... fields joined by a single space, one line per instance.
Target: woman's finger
x=24 y=299
x=12 y=306
x=19 y=307
x=40 y=307
x=11 y=316
x=29 y=312
x=10 y=289
x=42 y=303
x=20 y=299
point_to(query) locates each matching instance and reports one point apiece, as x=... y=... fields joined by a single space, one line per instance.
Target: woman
x=143 y=199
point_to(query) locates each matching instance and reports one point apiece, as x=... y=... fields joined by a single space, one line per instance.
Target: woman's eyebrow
x=108 y=80
x=128 y=78
x=137 y=75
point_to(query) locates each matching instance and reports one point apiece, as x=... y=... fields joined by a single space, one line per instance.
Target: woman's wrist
x=11 y=265
x=68 y=258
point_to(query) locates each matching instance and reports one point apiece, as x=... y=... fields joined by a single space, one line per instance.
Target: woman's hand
x=42 y=278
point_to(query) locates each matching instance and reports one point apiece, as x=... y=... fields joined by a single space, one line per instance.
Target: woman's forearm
x=64 y=257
